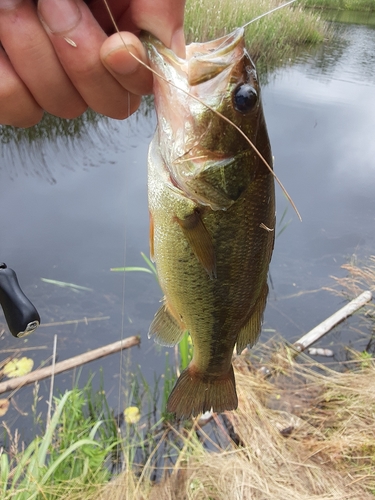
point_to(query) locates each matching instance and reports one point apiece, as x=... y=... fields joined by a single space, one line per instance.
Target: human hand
x=67 y=62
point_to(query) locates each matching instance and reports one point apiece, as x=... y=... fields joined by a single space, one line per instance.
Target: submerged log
x=68 y=364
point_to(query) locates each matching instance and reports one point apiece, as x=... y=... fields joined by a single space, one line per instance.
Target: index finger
x=77 y=38
x=163 y=18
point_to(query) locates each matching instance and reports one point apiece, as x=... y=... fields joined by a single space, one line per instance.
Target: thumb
x=163 y=19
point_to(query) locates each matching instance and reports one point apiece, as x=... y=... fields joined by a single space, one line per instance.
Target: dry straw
x=306 y=434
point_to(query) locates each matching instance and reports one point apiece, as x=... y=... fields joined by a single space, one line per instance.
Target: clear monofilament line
x=269 y=12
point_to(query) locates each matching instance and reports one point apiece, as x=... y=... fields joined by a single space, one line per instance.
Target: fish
x=211 y=201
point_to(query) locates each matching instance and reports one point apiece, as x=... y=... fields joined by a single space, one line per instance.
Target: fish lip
x=197 y=50
x=153 y=44
x=211 y=57
x=215 y=48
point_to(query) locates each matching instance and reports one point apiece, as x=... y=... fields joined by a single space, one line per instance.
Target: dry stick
x=319 y=331
x=52 y=380
x=24 y=349
x=74 y=321
x=336 y=318
x=68 y=364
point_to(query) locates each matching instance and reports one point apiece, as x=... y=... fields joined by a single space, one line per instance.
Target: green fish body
x=212 y=213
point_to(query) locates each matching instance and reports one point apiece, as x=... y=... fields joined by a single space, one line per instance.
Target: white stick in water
x=68 y=364
x=327 y=325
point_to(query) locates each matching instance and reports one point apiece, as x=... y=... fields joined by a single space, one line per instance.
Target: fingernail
x=115 y=59
x=178 y=43
x=59 y=15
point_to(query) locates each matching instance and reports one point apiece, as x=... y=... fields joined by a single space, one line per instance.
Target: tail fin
x=194 y=394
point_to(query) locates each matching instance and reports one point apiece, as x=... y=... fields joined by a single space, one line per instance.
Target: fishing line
x=212 y=109
x=267 y=13
x=120 y=409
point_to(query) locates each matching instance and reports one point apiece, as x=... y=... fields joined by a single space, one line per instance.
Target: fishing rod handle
x=20 y=314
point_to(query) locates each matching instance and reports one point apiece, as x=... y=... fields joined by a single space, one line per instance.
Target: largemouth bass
x=212 y=213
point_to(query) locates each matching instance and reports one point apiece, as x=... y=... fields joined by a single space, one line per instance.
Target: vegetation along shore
x=359 y=5
x=303 y=431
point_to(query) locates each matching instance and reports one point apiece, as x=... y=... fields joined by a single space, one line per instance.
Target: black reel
x=20 y=314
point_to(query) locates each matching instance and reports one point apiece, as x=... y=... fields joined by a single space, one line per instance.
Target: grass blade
x=127 y=269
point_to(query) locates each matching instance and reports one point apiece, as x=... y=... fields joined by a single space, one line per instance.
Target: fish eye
x=245 y=98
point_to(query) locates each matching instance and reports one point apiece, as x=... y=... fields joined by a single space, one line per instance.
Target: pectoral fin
x=207 y=194
x=220 y=183
x=200 y=241
x=249 y=333
x=165 y=329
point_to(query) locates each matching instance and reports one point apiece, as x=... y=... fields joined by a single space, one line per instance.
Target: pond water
x=70 y=213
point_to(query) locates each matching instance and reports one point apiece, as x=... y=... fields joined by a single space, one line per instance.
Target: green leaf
x=149 y=263
x=4 y=471
x=64 y=284
x=63 y=456
x=127 y=269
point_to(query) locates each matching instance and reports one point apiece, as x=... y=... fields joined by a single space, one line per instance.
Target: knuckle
x=17 y=107
x=125 y=109
x=68 y=111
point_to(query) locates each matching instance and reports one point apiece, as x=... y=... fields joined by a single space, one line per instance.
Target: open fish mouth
x=203 y=61
x=191 y=97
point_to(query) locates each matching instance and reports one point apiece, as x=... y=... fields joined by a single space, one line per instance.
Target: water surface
x=71 y=215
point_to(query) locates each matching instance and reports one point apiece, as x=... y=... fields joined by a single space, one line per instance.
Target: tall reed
x=270 y=41
x=359 y=5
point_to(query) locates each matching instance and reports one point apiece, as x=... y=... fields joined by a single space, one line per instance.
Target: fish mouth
x=203 y=61
x=187 y=92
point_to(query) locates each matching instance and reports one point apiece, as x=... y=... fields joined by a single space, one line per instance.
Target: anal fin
x=200 y=241
x=250 y=332
x=164 y=329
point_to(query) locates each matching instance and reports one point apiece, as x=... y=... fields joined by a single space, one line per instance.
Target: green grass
x=50 y=128
x=271 y=41
x=150 y=269
x=358 y=5
x=71 y=454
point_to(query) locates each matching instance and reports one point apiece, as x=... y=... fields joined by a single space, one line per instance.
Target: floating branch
x=74 y=321
x=68 y=364
x=336 y=318
x=319 y=331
